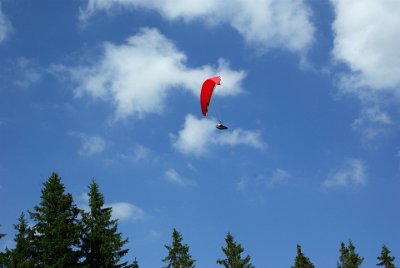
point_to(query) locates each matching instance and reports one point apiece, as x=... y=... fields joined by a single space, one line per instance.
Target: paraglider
x=206 y=93
x=221 y=126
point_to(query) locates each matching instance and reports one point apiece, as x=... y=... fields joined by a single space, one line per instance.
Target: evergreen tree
x=135 y=263
x=385 y=258
x=3 y=255
x=24 y=252
x=102 y=244
x=302 y=261
x=57 y=228
x=4 y=259
x=348 y=257
x=233 y=258
x=178 y=254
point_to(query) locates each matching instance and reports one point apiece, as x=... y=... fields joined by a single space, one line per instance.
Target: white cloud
x=5 y=26
x=139 y=153
x=279 y=177
x=83 y=202
x=172 y=176
x=373 y=122
x=366 y=38
x=84 y=198
x=90 y=144
x=263 y=24
x=198 y=135
x=350 y=174
x=256 y=183
x=120 y=210
x=126 y=211
x=28 y=72
x=137 y=76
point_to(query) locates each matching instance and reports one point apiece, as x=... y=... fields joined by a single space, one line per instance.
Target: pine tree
x=57 y=228
x=102 y=244
x=348 y=257
x=302 y=261
x=232 y=252
x=3 y=255
x=385 y=258
x=135 y=263
x=178 y=253
x=24 y=252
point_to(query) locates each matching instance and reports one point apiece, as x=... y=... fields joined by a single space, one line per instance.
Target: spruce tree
x=102 y=244
x=3 y=255
x=178 y=253
x=4 y=259
x=135 y=263
x=348 y=257
x=24 y=252
x=232 y=252
x=385 y=259
x=57 y=228
x=302 y=261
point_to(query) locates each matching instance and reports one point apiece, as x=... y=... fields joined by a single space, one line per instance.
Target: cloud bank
x=368 y=44
x=138 y=75
x=263 y=24
x=199 y=135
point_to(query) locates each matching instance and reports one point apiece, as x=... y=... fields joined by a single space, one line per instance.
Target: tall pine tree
x=385 y=259
x=24 y=252
x=233 y=252
x=178 y=253
x=302 y=261
x=348 y=257
x=102 y=244
x=57 y=228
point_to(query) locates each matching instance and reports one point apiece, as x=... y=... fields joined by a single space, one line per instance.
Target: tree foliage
x=178 y=253
x=101 y=243
x=24 y=252
x=57 y=228
x=385 y=259
x=61 y=235
x=302 y=261
x=233 y=253
x=135 y=263
x=3 y=256
x=348 y=257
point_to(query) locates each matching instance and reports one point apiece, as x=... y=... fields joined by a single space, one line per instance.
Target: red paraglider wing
x=206 y=92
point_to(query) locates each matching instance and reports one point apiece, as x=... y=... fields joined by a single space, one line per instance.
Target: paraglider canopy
x=206 y=92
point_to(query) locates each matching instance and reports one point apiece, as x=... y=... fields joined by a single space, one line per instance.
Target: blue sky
x=110 y=90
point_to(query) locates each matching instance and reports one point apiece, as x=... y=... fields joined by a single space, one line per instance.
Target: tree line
x=62 y=235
